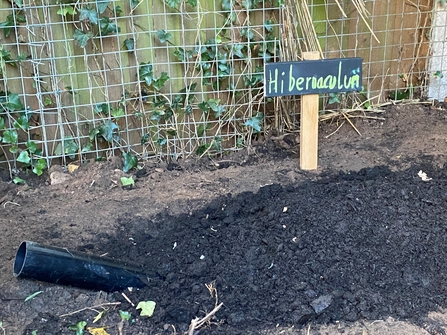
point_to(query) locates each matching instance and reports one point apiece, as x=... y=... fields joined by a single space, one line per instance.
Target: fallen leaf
x=147 y=308
x=99 y=316
x=97 y=331
x=72 y=167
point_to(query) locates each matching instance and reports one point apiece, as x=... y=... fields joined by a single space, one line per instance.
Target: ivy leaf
x=13 y=102
x=47 y=101
x=192 y=2
x=107 y=130
x=40 y=166
x=14 y=149
x=32 y=147
x=227 y=5
x=67 y=9
x=2 y=123
x=18 y=180
x=79 y=327
x=171 y=131
x=101 y=108
x=183 y=55
x=81 y=37
x=8 y=24
x=94 y=132
x=130 y=161
x=24 y=157
x=134 y=3
x=202 y=128
x=88 y=147
x=89 y=14
x=160 y=82
x=127 y=181
x=202 y=149
x=247 y=33
x=204 y=106
x=216 y=107
x=108 y=27
x=69 y=148
x=101 y=5
x=117 y=112
x=118 y=10
x=173 y=3
x=251 y=4
x=144 y=138
x=22 y=122
x=268 y=25
x=255 y=122
x=10 y=136
x=129 y=44
x=147 y=308
x=438 y=74
x=163 y=36
x=237 y=50
x=125 y=315
x=19 y=3
x=146 y=73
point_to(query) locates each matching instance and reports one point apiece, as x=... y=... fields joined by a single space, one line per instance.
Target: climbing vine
x=212 y=61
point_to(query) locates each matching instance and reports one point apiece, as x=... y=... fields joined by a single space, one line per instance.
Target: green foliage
x=67 y=148
x=438 y=74
x=101 y=5
x=147 y=308
x=127 y=181
x=129 y=44
x=28 y=298
x=108 y=27
x=79 y=327
x=146 y=74
x=11 y=21
x=81 y=37
x=255 y=122
x=67 y=9
x=251 y=4
x=130 y=161
x=163 y=36
x=89 y=15
x=125 y=315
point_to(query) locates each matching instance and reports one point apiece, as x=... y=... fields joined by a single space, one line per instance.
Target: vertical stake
x=309 y=124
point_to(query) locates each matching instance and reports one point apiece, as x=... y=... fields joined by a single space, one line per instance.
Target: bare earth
x=356 y=247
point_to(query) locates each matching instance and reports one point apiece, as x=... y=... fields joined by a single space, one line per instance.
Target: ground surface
x=356 y=247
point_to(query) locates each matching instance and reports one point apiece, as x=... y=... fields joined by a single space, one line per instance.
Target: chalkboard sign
x=313 y=77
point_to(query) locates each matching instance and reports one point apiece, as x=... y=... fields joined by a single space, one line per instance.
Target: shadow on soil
x=364 y=245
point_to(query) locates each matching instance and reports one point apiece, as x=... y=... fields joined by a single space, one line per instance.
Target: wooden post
x=309 y=124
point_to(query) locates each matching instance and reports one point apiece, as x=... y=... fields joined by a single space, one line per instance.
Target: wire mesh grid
x=147 y=79
x=173 y=78
x=392 y=38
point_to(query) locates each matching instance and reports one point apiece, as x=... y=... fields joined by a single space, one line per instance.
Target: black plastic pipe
x=61 y=266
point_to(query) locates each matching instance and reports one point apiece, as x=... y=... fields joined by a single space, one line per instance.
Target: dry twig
x=198 y=323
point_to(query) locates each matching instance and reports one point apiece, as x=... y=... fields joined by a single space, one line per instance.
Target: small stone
x=58 y=177
x=321 y=303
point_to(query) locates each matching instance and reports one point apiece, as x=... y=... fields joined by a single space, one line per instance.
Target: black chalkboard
x=313 y=77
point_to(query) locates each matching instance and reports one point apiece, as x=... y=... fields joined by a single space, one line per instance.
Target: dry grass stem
x=91 y=308
x=336 y=130
x=349 y=121
x=127 y=299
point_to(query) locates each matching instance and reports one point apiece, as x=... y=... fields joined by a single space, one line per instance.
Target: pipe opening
x=20 y=259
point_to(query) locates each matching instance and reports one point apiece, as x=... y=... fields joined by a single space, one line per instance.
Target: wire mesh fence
x=172 y=78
